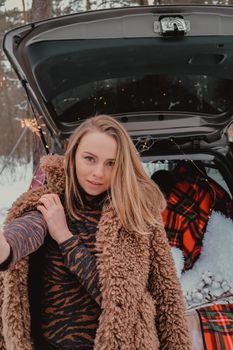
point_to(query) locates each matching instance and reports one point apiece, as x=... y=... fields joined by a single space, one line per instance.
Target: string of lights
x=37 y=120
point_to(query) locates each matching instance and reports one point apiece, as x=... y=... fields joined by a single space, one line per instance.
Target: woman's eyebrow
x=93 y=155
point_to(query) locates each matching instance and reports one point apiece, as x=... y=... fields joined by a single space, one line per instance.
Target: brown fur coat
x=142 y=304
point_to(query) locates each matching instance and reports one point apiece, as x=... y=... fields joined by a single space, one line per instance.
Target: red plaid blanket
x=189 y=206
x=217 y=326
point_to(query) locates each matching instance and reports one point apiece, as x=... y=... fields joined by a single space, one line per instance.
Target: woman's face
x=95 y=158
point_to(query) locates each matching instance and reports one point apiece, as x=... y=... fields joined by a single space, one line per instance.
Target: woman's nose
x=99 y=170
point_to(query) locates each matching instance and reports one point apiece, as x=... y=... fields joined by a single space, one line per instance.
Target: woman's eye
x=111 y=163
x=89 y=158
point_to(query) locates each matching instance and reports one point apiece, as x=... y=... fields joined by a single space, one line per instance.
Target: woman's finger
x=43 y=201
x=42 y=209
x=50 y=198
x=57 y=199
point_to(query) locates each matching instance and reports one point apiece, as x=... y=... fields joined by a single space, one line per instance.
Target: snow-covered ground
x=13 y=182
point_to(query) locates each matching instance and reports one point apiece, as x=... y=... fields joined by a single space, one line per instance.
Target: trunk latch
x=172 y=26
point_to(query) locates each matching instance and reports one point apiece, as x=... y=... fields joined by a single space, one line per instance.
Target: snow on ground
x=13 y=182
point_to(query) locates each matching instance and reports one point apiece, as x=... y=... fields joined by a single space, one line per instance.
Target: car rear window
x=140 y=93
x=79 y=78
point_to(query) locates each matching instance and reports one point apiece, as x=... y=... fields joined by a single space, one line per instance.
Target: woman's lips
x=94 y=183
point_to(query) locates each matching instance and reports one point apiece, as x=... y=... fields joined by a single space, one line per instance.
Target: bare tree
x=142 y=2
x=12 y=98
x=88 y=5
x=41 y=9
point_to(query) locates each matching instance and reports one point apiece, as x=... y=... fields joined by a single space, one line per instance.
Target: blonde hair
x=134 y=196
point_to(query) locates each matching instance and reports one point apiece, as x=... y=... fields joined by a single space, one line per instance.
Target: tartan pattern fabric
x=189 y=206
x=217 y=326
x=223 y=202
x=186 y=215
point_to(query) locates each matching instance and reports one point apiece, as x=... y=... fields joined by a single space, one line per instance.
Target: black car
x=166 y=73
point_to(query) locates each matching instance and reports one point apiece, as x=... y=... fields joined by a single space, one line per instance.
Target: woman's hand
x=53 y=212
x=4 y=248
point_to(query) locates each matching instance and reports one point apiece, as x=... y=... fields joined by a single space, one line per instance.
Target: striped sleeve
x=82 y=264
x=24 y=235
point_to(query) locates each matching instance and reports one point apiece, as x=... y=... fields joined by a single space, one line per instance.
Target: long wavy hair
x=133 y=195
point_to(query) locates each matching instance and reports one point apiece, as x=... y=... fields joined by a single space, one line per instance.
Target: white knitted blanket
x=211 y=278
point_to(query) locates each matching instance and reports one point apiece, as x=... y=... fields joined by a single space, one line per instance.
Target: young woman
x=87 y=262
